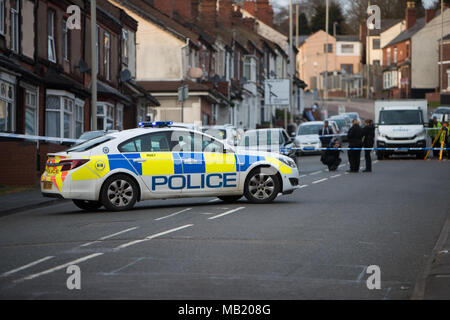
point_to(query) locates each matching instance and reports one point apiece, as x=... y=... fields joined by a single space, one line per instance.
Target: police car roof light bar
x=155 y=124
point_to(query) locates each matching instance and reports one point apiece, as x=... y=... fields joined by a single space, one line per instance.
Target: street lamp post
x=94 y=65
x=292 y=66
x=325 y=95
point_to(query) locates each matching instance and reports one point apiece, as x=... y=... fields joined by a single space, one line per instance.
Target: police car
x=157 y=161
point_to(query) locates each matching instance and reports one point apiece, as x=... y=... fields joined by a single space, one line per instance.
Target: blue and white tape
x=38 y=138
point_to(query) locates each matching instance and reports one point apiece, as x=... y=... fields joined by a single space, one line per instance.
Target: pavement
x=19 y=201
x=314 y=244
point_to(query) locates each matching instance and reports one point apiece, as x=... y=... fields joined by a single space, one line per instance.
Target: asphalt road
x=313 y=244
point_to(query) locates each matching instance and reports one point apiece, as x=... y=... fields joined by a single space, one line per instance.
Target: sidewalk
x=19 y=201
x=435 y=284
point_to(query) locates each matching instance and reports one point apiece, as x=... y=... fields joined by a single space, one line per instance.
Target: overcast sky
x=281 y=3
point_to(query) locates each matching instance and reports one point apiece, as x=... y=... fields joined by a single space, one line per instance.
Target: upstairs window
x=376 y=44
x=388 y=56
x=65 y=40
x=125 y=46
x=107 y=56
x=51 y=36
x=347 y=48
x=15 y=26
x=250 y=66
x=2 y=17
x=330 y=48
x=395 y=54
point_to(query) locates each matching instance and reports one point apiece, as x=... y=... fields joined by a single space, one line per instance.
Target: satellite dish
x=125 y=75
x=84 y=67
x=195 y=73
x=215 y=79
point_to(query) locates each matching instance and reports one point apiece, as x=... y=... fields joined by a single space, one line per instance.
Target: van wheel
x=88 y=205
x=261 y=186
x=119 y=193
x=230 y=199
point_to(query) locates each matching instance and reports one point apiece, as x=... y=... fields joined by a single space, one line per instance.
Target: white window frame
x=141 y=113
x=107 y=57
x=250 y=61
x=107 y=114
x=30 y=105
x=79 y=117
x=2 y=17
x=10 y=105
x=65 y=40
x=15 y=27
x=448 y=79
x=63 y=97
x=119 y=117
x=125 y=48
x=348 y=48
x=51 y=36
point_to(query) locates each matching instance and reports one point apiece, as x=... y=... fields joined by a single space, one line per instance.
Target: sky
x=285 y=3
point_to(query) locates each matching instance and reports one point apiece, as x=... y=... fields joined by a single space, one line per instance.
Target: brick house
x=445 y=96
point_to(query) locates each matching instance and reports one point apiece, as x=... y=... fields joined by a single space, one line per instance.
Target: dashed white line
x=63 y=266
x=303 y=186
x=226 y=213
x=319 y=181
x=152 y=237
x=173 y=214
x=314 y=173
x=109 y=236
x=303 y=176
x=336 y=176
x=6 y=274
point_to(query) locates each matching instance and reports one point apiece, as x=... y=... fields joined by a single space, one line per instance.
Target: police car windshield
x=401 y=117
x=88 y=145
x=262 y=138
x=310 y=129
x=216 y=133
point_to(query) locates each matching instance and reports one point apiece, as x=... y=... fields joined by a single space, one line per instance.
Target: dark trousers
x=334 y=164
x=368 y=160
x=354 y=157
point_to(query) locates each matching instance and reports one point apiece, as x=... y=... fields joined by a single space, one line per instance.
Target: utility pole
x=442 y=48
x=291 y=64
x=368 y=62
x=94 y=65
x=297 y=25
x=325 y=94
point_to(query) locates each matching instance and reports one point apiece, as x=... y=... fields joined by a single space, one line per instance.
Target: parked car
x=343 y=123
x=226 y=133
x=274 y=140
x=352 y=115
x=308 y=137
x=442 y=114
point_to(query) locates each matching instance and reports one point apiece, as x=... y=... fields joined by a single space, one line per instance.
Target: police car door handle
x=140 y=160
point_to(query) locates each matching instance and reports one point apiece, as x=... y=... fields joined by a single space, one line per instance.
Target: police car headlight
x=289 y=162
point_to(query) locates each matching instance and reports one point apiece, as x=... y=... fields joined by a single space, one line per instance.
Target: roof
x=385 y=25
x=405 y=35
x=447 y=37
x=301 y=39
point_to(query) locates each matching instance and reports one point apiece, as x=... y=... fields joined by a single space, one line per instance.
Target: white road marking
x=314 y=173
x=6 y=274
x=303 y=176
x=342 y=165
x=226 y=213
x=63 y=266
x=214 y=200
x=303 y=186
x=319 y=181
x=173 y=214
x=336 y=176
x=109 y=236
x=152 y=237
x=376 y=161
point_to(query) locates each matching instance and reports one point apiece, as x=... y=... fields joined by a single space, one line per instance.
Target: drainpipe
x=182 y=76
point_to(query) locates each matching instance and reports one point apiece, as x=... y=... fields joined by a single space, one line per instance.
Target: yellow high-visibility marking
x=283 y=168
x=219 y=162
x=157 y=164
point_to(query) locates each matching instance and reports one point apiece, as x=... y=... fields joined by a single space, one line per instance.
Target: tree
x=335 y=15
x=303 y=24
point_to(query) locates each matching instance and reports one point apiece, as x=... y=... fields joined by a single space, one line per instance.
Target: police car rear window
x=90 y=144
x=154 y=142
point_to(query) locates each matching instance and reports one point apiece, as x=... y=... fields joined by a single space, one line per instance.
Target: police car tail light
x=68 y=165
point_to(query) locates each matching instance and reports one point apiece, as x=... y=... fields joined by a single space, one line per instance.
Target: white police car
x=158 y=161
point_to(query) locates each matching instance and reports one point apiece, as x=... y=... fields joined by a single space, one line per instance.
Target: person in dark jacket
x=325 y=134
x=355 y=136
x=368 y=141
x=331 y=158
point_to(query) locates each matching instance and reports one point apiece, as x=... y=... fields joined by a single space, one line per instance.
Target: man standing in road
x=355 y=136
x=435 y=126
x=368 y=141
x=325 y=134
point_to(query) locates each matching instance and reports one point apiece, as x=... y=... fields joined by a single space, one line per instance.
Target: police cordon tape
x=38 y=138
x=364 y=149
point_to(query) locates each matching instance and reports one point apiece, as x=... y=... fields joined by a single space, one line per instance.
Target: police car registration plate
x=48 y=185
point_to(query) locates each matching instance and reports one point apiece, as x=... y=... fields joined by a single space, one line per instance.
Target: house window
x=125 y=46
x=105 y=116
x=348 y=68
x=376 y=44
x=347 y=48
x=119 y=117
x=448 y=78
x=142 y=114
x=2 y=17
x=250 y=68
x=6 y=106
x=51 y=36
x=79 y=118
x=238 y=65
x=376 y=62
x=15 y=26
x=65 y=40
x=395 y=54
x=30 y=112
x=407 y=50
x=330 y=48
x=107 y=57
x=388 y=59
x=59 y=115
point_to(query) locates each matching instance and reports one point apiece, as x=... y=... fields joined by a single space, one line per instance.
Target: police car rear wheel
x=88 y=205
x=261 y=187
x=230 y=199
x=119 y=193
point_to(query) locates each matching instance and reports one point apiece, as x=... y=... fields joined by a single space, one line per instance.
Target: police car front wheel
x=262 y=186
x=119 y=193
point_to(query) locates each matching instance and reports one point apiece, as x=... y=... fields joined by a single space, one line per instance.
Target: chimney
x=183 y=8
x=429 y=15
x=237 y=17
x=208 y=14
x=165 y=6
x=250 y=7
x=225 y=12
x=249 y=23
x=410 y=15
x=264 y=12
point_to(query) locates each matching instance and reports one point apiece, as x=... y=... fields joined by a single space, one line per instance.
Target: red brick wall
x=165 y=6
x=17 y=163
x=225 y=12
x=208 y=14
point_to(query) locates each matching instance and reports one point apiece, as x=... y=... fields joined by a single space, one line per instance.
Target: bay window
x=79 y=118
x=7 y=106
x=63 y=116
x=119 y=117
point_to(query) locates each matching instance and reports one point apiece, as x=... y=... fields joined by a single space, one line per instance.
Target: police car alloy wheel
x=230 y=199
x=88 y=205
x=119 y=193
x=261 y=186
